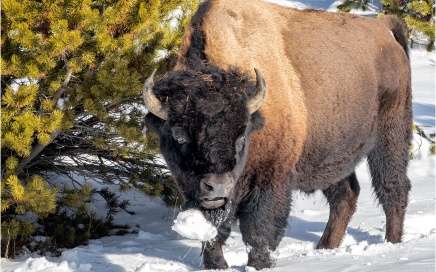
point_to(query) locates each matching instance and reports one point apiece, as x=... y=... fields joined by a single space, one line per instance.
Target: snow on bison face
x=203 y=119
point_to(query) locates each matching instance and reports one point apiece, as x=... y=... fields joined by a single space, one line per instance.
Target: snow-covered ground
x=157 y=248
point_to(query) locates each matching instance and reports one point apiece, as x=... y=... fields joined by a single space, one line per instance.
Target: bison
x=265 y=100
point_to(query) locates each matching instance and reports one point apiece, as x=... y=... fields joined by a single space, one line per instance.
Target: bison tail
x=398 y=30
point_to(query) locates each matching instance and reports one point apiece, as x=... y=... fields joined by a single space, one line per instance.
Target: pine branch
x=35 y=152
x=38 y=148
x=63 y=87
x=95 y=164
x=422 y=134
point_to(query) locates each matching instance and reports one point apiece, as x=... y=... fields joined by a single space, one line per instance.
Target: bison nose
x=214 y=190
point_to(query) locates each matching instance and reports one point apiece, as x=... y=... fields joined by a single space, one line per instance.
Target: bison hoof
x=259 y=265
x=260 y=260
x=324 y=246
x=327 y=244
x=217 y=265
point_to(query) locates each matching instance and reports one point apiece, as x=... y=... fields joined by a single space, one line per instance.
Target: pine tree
x=420 y=17
x=349 y=5
x=71 y=73
x=396 y=7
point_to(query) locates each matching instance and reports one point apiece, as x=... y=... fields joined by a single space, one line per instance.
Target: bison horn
x=153 y=104
x=255 y=102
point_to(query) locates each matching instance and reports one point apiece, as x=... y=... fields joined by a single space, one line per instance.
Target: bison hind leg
x=391 y=186
x=342 y=198
x=389 y=158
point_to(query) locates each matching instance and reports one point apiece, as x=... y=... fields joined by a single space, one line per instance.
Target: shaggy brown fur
x=338 y=90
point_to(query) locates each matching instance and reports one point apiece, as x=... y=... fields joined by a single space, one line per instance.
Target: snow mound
x=192 y=224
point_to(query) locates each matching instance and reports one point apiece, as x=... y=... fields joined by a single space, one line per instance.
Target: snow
x=156 y=247
x=193 y=225
x=423 y=84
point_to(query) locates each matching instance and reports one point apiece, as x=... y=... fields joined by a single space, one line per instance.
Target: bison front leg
x=262 y=222
x=342 y=198
x=213 y=257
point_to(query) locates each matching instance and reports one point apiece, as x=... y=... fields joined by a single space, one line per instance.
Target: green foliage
x=72 y=73
x=17 y=199
x=394 y=7
x=420 y=17
x=417 y=15
x=35 y=196
x=349 y=5
x=433 y=149
x=74 y=222
x=15 y=233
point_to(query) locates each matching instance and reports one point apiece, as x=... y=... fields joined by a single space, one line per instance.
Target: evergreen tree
x=349 y=5
x=72 y=73
x=421 y=17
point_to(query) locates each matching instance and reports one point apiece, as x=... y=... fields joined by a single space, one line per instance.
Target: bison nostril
x=208 y=187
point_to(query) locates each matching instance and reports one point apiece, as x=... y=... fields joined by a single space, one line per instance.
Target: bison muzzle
x=215 y=190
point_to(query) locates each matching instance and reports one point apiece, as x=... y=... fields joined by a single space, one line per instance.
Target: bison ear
x=153 y=104
x=255 y=102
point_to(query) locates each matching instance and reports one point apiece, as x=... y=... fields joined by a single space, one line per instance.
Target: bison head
x=203 y=118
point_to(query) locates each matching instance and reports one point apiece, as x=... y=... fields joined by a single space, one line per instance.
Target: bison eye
x=180 y=135
x=180 y=140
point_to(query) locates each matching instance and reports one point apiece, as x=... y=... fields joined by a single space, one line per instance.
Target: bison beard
x=215 y=216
